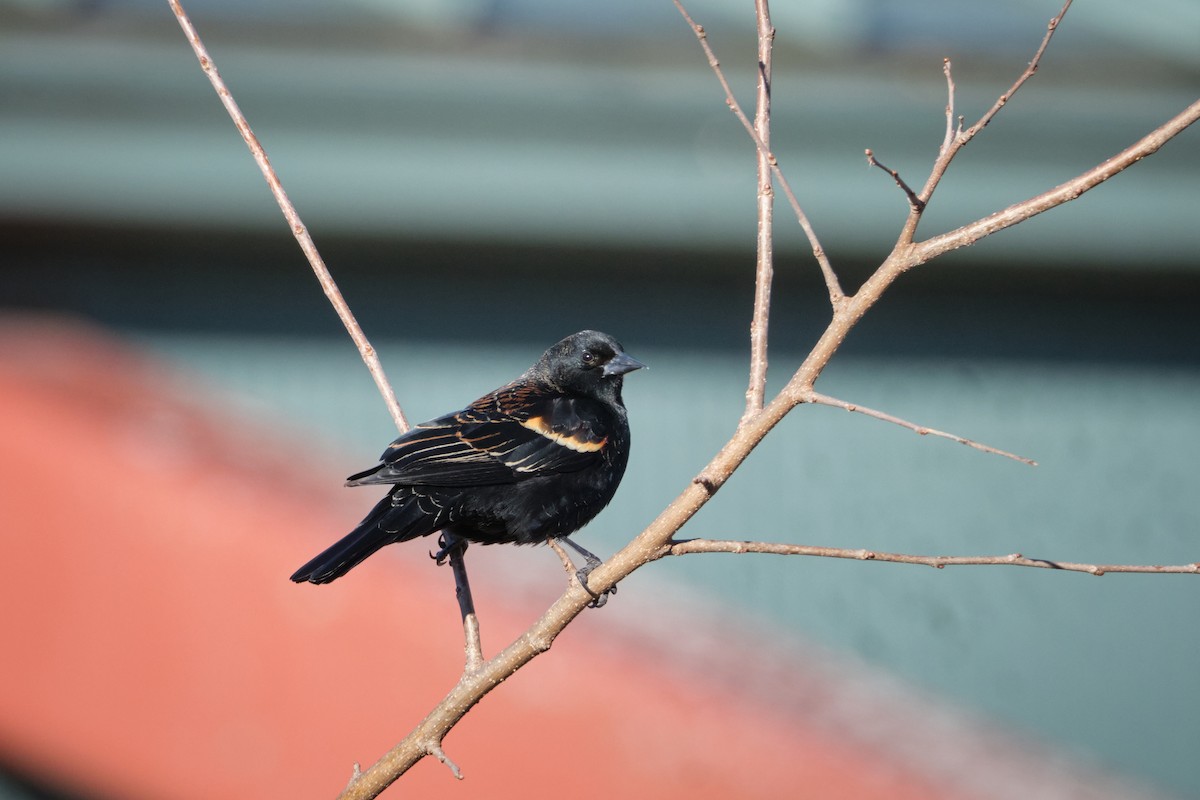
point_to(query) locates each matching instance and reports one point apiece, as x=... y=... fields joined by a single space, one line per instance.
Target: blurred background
x=483 y=177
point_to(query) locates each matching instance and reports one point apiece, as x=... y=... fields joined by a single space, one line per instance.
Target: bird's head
x=588 y=362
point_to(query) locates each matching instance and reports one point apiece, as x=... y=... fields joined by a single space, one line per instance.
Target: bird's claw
x=448 y=548
x=598 y=599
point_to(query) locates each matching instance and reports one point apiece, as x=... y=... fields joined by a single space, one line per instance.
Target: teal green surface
x=1103 y=664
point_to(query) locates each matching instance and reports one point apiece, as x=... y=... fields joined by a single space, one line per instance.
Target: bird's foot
x=590 y=562
x=581 y=575
x=450 y=546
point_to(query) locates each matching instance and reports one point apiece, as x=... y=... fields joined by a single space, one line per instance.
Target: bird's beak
x=620 y=364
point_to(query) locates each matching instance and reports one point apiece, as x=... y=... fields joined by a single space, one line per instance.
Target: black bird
x=534 y=460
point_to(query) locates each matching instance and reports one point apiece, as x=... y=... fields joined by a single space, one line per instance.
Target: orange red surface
x=154 y=647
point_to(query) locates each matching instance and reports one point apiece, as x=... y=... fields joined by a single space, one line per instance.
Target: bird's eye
x=589 y=357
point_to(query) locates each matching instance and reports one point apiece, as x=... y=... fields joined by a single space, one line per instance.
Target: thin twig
x=690 y=546
x=369 y=356
x=956 y=138
x=836 y=295
x=961 y=137
x=826 y=400
x=568 y=564
x=435 y=750
x=764 y=272
x=914 y=202
x=472 y=638
x=355 y=774
x=1029 y=72
x=953 y=124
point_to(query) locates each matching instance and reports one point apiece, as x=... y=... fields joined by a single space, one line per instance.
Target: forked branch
x=836 y=295
x=957 y=138
x=972 y=232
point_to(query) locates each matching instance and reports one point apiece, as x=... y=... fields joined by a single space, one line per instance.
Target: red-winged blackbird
x=533 y=460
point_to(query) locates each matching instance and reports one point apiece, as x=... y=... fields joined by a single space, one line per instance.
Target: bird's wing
x=505 y=437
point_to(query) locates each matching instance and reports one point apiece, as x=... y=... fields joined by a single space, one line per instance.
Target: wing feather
x=505 y=437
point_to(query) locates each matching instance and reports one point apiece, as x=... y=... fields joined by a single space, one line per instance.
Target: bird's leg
x=590 y=562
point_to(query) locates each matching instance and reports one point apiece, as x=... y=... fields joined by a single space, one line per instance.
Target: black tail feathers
x=343 y=556
x=395 y=519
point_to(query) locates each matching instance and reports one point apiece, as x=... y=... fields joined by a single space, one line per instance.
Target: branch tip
x=915 y=202
x=435 y=749
x=920 y=430
x=355 y=773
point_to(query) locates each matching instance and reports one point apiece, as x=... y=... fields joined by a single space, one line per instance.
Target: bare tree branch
x=914 y=202
x=1029 y=72
x=825 y=400
x=956 y=138
x=369 y=356
x=953 y=125
x=763 y=277
x=836 y=295
x=972 y=232
x=690 y=546
x=470 y=689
